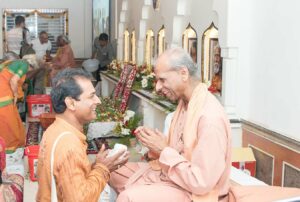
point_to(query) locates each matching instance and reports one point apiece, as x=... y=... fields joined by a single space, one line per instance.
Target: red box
x=32 y=152
x=243 y=159
x=38 y=104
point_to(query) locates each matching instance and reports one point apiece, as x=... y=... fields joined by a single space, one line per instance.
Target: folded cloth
x=12 y=188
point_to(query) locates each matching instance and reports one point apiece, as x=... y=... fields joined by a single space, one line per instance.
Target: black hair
x=42 y=32
x=19 y=19
x=64 y=85
x=103 y=37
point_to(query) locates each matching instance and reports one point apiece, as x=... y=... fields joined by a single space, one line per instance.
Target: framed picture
x=192 y=47
x=152 y=42
x=155 y=4
x=215 y=60
x=101 y=17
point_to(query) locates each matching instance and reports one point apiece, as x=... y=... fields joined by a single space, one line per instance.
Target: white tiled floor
x=30 y=190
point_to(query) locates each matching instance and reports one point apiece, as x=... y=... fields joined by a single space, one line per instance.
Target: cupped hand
x=113 y=162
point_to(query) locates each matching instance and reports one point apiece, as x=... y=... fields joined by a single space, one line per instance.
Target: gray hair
x=10 y=56
x=64 y=38
x=31 y=59
x=178 y=58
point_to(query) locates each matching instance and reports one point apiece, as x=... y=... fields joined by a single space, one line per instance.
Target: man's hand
x=113 y=162
x=154 y=140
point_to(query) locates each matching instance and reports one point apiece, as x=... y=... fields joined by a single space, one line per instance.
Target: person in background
x=64 y=57
x=12 y=75
x=194 y=161
x=104 y=52
x=42 y=47
x=14 y=37
x=74 y=102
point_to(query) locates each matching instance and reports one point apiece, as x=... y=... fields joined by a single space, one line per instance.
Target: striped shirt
x=14 y=38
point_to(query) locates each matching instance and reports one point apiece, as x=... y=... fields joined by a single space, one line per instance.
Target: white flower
x=128 y=115
x=125 y=131
x=144 y=83
x=137 y=75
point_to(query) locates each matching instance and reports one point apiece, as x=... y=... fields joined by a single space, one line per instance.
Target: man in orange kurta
x=193 y=163
x=75 y=178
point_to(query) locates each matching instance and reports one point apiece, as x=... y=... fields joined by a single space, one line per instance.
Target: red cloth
x=2 y=154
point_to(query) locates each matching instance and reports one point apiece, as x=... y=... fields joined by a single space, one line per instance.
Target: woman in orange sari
x=12 y=76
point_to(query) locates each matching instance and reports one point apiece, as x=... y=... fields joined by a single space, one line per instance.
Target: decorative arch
x=189 y=41
x=133 y=47
x=161 y=42
x=150 y=47
x=126 y=46
x=211 y=63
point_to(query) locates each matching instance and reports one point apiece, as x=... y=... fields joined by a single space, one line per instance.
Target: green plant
x=130 y=122
x=109 y=111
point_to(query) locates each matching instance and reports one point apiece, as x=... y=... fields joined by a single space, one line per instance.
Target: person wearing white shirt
x=16 y=35
x=42 y=47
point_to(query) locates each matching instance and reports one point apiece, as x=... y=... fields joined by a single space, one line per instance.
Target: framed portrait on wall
x=152 y=42
x=192 y=48
x=155 y=4
x=215 y=66
x=215 y=61
x=101 y=17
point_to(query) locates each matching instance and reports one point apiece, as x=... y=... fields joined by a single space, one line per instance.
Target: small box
x=243 y=159
x=38 y=104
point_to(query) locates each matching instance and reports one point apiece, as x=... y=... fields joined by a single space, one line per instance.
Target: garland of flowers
x=44 y=15
x=144 y=79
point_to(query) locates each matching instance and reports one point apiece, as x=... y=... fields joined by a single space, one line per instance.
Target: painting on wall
x=215 y=65
x=155 y=4
x=215 y=62
x=152 y=46
x=101 y=13
x=192 y=48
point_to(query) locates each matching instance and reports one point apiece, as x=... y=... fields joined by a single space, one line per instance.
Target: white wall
x=80 y=21
x=273 y=63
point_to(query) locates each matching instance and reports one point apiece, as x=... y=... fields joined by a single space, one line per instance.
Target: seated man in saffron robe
x=193 y=162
